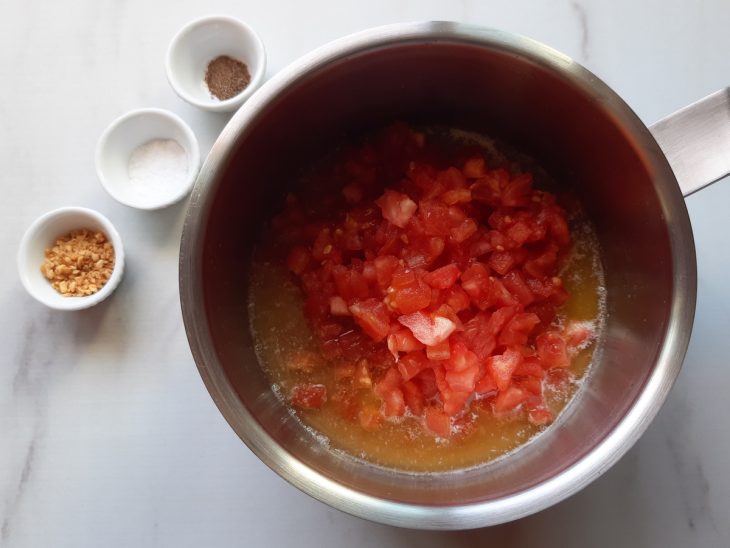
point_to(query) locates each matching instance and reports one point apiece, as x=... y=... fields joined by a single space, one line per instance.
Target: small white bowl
x=130 y=131
x=201 y=41
x=43 y=233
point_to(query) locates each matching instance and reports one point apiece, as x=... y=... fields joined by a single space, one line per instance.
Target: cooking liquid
x=281 y=332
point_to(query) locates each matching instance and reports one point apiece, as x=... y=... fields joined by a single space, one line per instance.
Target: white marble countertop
x=107 y=434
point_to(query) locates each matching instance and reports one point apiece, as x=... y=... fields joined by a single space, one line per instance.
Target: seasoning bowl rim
x=192 y=148
x=236 y=101
x=33 y=233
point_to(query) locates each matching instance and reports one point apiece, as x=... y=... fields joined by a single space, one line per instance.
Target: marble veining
x=107 y=434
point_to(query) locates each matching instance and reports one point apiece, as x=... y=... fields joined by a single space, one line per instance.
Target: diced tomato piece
x=475 y=167
x=518 y=329
x=486 y=384
x=502 y=366
x=515 y=284
x=430 y=329
x=542 y=264
x=444 y=277
x=438 y=422
x=502 y=262
x=385 y=267
x=395 y=403
x=456 y=298
x=426 y=381
x=350 y=283
x=464 y=230
x=372 y=316
x=475 y=280
x=308 y=396
x=402 y=340
x=558 y=227
x=439 y=352
x=518 y=191
x=533 y=385
x=412 y=364
x=509 y=399
x=414 y=398
x=298 y=259
x=397 y=207
x=479 y=335
x=578 y=334
x=436 y=217
x=456 y=196
x=552 y=350
x=338 y=306
x=464 y=380
x=520 y=232
x=462 y=358
x=408 y=292
x=391 y=380
x=530 y=367
x=455 y=400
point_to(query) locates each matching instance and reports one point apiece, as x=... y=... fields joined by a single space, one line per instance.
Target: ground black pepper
x=226 y=77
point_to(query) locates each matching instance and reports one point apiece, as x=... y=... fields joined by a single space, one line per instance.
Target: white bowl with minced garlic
x=71 y=258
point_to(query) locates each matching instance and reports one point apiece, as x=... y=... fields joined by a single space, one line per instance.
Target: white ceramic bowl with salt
x=148 y=159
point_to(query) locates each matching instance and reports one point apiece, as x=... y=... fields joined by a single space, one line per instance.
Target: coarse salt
x=158 y=169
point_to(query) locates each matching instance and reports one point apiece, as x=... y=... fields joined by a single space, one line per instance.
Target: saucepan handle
x=696 y=141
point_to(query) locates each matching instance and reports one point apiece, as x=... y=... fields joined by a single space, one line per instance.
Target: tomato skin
x=308 y=396
x=372 y=316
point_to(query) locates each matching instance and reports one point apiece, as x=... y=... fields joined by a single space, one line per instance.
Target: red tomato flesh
x=430 y=287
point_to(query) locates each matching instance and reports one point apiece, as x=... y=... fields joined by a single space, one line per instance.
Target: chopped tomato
x=408 y=292
x=438 y=422
x=518 y=329
x=502 y=366
x=430 y=329
x=439 y=352
x=338 y=306
x=308 y=396
x=414 y=398
x=412 y=364
x=373 y=317
x=509 y=399
x=552 y=350
x=397 y=207
x=444 y=277
x=441 y=292
x=402 y=340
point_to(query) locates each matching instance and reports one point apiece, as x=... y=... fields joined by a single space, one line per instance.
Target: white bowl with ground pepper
x=71 y=258
x=216 y=63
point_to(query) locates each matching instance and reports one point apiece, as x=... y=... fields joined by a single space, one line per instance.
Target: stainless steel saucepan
x=630 y=178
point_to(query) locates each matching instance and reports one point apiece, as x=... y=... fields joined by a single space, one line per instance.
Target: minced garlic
x=79 y=263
